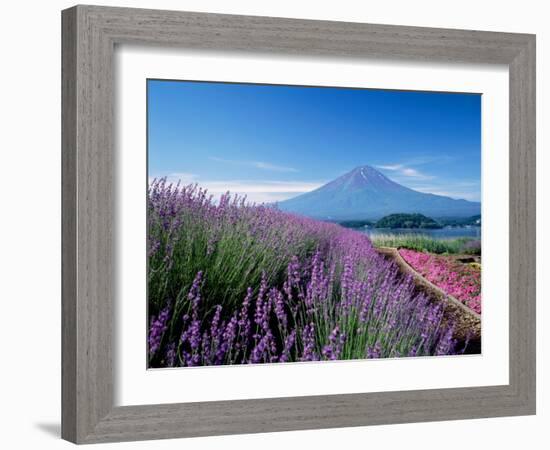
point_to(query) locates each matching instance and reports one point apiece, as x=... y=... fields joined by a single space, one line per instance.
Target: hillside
x=407 y=221
x=366 y=194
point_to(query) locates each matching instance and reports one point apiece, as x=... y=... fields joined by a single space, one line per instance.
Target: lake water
x=442 y=233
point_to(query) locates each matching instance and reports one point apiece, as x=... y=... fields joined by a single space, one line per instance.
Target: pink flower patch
x=459 y=280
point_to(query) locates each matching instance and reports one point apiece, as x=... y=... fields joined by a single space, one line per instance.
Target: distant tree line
x=460 y=221
x=412 y=221
x=357 y=223
x=407 y=221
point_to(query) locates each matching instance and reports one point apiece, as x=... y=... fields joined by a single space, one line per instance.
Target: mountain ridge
x=366 y=193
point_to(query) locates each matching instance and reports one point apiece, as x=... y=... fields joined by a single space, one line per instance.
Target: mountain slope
x=365 y=193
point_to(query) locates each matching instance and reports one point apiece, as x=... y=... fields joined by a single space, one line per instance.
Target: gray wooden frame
x=89 y=36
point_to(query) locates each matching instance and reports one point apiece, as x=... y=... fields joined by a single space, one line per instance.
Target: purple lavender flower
x=335 y=344
x=289 y=344
x=308 y=276
x=170 y=357
x=375 y=351
x=244 y=321
x=260 y=353
x=194 y=335
x=215 y=325
x=263 y=306
x=308 y=343
x=446 y=344
x=347 y=285
x=277 y=301
x=157 y=329
x=194 y=295
x=228 y=338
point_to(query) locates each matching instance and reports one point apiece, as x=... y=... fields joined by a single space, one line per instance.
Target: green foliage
x=229 y=252
x=460 y=221
x=425 y=243
x=407 y=221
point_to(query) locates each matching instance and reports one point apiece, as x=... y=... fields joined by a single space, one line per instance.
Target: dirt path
x=467 y=322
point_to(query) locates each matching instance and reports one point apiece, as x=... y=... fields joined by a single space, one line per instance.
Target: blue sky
x=275 y=142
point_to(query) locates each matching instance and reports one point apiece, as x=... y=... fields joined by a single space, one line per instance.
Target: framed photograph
x=268 y=222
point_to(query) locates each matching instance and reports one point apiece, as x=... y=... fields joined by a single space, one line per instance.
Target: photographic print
x=290 y=224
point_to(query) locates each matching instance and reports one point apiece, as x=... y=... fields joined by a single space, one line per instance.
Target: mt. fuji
x=365 y=193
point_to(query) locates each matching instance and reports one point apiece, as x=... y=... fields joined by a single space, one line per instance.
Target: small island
x=407 y=221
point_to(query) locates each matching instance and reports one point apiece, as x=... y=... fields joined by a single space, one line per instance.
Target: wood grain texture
x=89 y=37
x=68 y=226
x=522 y=282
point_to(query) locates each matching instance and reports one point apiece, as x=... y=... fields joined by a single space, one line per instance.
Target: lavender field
x=231 y=282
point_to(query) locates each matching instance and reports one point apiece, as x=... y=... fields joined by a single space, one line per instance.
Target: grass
x=423 y=243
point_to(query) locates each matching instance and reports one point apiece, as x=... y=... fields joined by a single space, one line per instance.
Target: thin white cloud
x=390 y=166
x=268 y=166
x=456 y=191
x=405 y=171
x=407 y=174
x=253 y=186
x=256 y=191
x=422 y=160
x=257 y=164
x=184 y=177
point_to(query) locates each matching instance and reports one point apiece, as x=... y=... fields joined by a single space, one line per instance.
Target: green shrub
x=424 y=243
